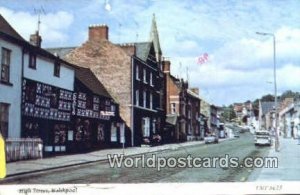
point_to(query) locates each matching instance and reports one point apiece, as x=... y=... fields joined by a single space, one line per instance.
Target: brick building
x=193 y=115
x=132 y=75
x=177 y=107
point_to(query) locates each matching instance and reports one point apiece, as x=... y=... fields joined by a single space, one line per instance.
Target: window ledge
x=6 y=83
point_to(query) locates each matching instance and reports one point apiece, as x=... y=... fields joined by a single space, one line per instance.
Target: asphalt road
x=101 y=172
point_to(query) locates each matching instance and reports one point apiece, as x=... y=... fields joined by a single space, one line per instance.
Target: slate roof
x=60 y=51
x=87 y=77
x=191 y=93
x=142 y=50
x=154 y=36
x=6 y=28
x=266 y=107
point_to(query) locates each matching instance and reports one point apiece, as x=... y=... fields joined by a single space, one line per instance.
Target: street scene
x=158 y=92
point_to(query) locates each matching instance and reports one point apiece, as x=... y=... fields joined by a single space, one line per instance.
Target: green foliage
x=228 y=113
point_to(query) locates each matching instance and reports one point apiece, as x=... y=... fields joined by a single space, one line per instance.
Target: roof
x=87 y=77
x=266 y=107
x=154 y=36
x=193 y=94
x=142 y=50
x=60 y=51
x=171 y=119
x=6 y=28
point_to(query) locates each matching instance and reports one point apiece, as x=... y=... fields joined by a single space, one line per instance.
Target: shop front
x=46 y=114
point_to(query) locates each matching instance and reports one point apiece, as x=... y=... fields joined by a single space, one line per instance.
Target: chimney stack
x=98 y=32
x=35 y=39
x=195 y=90
x=166 y=66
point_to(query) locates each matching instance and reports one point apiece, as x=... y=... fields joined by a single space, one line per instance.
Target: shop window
x=4 y=116
x=100 y=133
x=78 y=130
x=32 y=61
x=189 y=129
x=31 y=129
x=113 y=135
x=146 y=127
x=5 y=65
x=60 y=134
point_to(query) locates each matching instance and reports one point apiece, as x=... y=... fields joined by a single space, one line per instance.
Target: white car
x=211 y=139
x=262 y=137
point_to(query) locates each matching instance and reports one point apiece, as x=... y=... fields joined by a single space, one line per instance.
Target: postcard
x=150 y=96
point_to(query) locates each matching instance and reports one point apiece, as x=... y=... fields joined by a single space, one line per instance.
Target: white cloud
x=53 y=27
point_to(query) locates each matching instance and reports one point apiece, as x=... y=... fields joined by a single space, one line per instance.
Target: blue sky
x=240 y=62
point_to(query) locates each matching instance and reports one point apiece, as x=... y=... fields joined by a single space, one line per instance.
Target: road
x=100 y=172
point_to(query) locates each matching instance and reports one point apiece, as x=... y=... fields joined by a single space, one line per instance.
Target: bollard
x=2 y=158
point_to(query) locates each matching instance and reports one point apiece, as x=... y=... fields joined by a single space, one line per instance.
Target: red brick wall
x=112 y=66
x=98 y=32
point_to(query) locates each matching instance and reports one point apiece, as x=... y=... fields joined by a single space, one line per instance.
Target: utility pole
x=275 y=88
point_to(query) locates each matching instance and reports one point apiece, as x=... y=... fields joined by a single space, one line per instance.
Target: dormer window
x=57 y=69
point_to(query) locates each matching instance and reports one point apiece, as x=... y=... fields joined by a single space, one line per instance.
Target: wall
x=44 y=73
x=112 y=66
x=12 y=94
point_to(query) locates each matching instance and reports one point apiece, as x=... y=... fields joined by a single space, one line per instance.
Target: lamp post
x=275 y=87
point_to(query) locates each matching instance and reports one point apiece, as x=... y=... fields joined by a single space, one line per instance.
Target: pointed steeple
x=155 y=39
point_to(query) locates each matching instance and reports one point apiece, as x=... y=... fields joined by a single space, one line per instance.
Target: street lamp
x=275 y=87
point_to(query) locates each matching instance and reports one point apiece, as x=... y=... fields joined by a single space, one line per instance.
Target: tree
x=228 y=113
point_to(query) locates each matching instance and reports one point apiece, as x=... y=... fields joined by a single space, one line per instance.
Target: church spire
x=155 y=39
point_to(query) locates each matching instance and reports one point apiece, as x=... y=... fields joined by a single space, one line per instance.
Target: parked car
x=211 y=139
x=262 y=137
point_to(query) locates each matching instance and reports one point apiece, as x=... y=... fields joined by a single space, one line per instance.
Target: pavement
x=18 y=168
x=288 y=163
